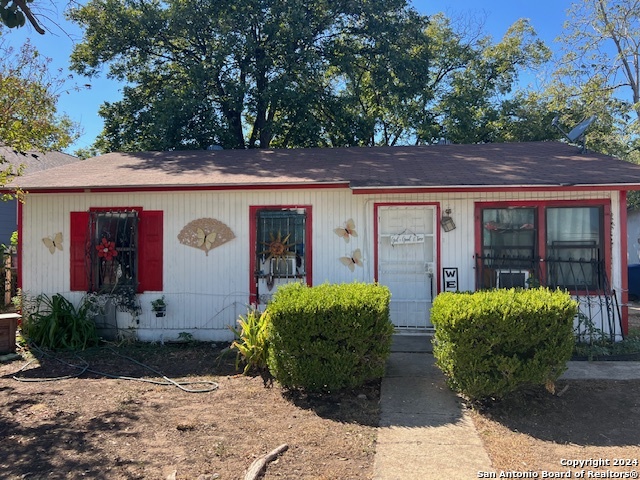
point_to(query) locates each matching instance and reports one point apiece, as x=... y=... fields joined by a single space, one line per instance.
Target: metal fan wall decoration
x=205 y=234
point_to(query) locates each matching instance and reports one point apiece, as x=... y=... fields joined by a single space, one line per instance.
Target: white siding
x=206 y=294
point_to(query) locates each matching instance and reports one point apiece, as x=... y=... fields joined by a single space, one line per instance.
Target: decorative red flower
x=107 y=249
x=492 y=226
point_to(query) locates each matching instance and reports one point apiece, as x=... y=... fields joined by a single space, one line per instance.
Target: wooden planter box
x=8 y=325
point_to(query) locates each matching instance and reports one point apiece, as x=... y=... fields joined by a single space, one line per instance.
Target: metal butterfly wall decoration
x=53 y=243
x=347 y=231
x=206 y=240
x=353 y=260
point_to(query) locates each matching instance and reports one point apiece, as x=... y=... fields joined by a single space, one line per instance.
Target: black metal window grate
x=113 y=250
x=281 y=243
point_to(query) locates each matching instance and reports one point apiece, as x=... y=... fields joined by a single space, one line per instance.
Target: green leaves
x=11 y=16
x=477 y=78
x=261 y=73
x=252 y=341
x=56 y=324
x=490 y=343
x=598 y=74
x=15 y=13
x=329 y=337
x=28 y=97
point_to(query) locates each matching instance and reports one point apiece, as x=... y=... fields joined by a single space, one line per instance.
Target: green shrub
x=329 y=337
x=251 y=341
x=56 y=324
x=491 y=343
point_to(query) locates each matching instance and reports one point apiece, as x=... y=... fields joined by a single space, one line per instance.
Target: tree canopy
x=29 y=93
x=261 y=73
x=28 y=113
x=598 y=74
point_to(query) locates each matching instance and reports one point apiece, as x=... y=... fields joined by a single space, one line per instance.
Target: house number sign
x=407 y=238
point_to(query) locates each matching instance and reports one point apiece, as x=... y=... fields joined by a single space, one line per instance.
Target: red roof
x=533 y=164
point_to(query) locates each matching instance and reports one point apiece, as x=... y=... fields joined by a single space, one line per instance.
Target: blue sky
x=546 y=16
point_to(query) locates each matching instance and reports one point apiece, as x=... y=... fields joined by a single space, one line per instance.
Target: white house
x=216 y=231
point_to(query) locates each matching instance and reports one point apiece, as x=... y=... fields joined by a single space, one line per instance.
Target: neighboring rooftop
x=36 y=161
x=532 y=164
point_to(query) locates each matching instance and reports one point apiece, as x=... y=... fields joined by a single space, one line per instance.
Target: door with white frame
x=407 y=262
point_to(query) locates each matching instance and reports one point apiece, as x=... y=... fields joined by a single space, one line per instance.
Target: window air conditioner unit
x=512 y=278
x=283 y=266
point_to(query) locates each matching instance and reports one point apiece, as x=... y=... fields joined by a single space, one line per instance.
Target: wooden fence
x=9 y=272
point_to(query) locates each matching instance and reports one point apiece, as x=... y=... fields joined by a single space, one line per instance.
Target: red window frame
x=540 y=207
x=253 y=239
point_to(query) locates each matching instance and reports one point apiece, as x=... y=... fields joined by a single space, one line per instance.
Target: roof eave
x=364 y=189
x=176 y=187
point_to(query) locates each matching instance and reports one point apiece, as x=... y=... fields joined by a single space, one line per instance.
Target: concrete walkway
x=602 y=371
x=425 y=432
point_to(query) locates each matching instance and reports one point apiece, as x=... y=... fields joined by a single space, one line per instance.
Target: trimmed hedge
x=491 y=343
x=329 y=337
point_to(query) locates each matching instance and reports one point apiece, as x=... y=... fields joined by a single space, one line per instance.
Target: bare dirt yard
x=98 y=427
x=533 y=431
x=104 y=428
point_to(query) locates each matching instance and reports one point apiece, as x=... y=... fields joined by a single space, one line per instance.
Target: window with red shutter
x=113 y=249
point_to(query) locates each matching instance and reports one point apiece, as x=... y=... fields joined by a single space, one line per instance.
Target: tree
x=433 y=80
x=28 y=97
x=14 y=13
x=260 y=73
x=381 y=80
x=599 y=73
x=475 y=100
x=235 y=73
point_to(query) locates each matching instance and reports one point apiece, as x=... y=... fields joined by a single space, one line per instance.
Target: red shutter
x=77 y=248
x=150 y=251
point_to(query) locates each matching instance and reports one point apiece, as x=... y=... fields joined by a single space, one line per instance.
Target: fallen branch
x=561 y=392
x=260 y=463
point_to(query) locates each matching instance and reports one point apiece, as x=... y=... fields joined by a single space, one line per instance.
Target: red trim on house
x=253 y=238
x=438 y=232
x=116 y=209
x=19 y=248
x=376 y=230
x=540 y=206
x=624 y=298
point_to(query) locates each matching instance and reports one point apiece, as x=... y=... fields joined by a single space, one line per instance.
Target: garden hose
x=210 y=385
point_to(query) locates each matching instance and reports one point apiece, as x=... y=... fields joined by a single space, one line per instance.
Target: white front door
x=406 y=262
